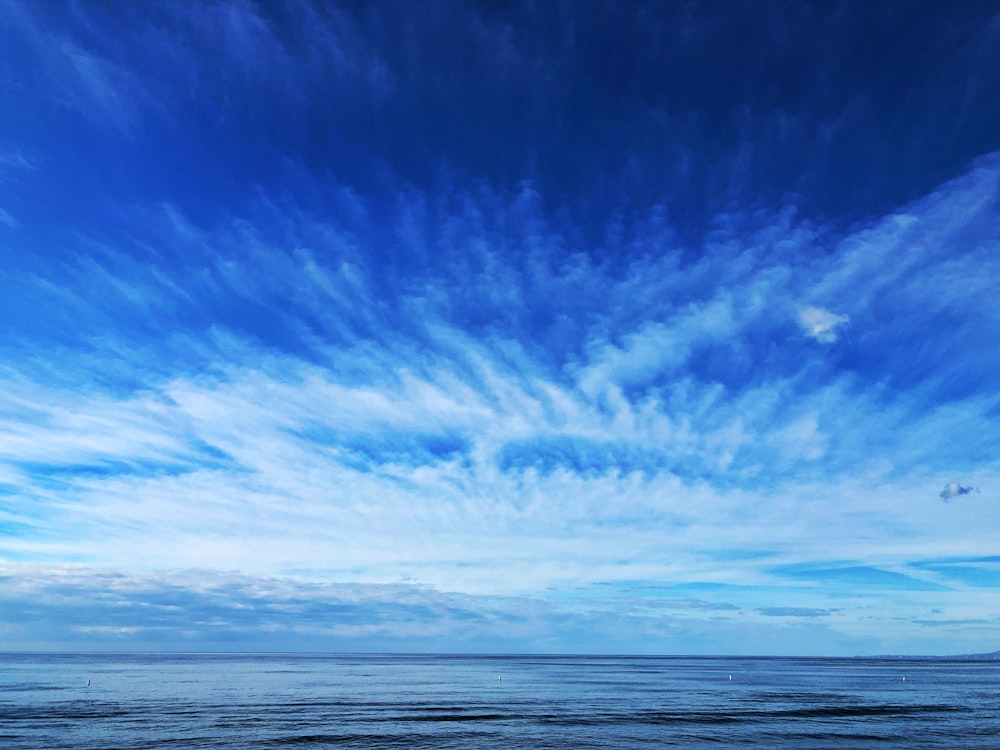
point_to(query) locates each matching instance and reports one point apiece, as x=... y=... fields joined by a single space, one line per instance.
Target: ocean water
x=396 y=701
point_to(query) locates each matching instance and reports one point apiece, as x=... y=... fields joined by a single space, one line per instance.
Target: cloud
x=473 y=359
x=793 y=612
x=198 y=610
x=692 y=603
x=846 y=577
x=14 y=161
x=953 y=490
x=821 y=324
x=8 y=221
x=954 y=623
x=71 y=74
x=981 y=573
x=221 y=383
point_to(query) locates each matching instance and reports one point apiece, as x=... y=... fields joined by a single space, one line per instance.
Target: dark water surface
x=333 y=701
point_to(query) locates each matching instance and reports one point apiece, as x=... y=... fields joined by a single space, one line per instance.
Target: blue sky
x=522 y=327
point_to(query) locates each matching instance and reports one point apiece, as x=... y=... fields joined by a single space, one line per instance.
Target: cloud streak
x=793 y=612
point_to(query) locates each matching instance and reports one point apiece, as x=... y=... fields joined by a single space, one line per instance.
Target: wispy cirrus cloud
x=14 y=161
x=371 y=413
x=69 y=71
x=7 y=220
x=252 y=322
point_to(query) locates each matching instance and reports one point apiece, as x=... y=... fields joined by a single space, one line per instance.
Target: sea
x=124 y=701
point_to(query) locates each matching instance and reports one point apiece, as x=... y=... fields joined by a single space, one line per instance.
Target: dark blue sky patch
x=56 y=474
x=511 y=95
x=212 y=455
x=582 y=456
x=368 y=451
x=16 y=529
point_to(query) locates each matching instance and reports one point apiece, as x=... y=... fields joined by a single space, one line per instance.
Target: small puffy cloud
x=954 y=489
x=821 y=324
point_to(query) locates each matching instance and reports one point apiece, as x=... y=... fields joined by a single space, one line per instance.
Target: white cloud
x=802 y=439
x=677 y=432
x=658 y=349
x=821 y=324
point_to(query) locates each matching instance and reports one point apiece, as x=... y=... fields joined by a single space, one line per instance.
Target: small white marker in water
x=904 y=679
x=499 y=678
x=730 y=677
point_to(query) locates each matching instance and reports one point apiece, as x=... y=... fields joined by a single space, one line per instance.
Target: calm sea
x=324 y=701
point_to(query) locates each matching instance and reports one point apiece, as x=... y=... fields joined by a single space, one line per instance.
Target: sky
x=521 y=327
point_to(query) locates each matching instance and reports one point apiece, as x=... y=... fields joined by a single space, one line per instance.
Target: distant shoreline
x=991 y=656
